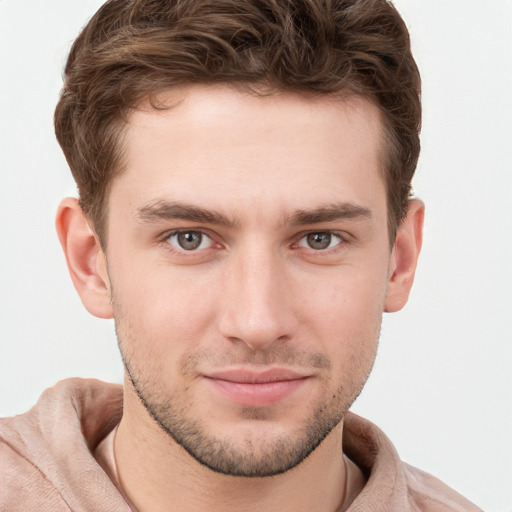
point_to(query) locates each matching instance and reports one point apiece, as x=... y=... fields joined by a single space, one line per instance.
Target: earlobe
x=405 y=257
x=85 y=258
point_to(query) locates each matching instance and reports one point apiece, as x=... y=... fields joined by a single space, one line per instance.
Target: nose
x=257 y=306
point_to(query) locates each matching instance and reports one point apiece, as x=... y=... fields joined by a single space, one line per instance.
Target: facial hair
x=250 y=458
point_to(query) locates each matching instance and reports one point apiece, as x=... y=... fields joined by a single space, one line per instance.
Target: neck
x=155 y=472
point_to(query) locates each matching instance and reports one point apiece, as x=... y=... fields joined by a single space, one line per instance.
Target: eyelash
x=342 y=241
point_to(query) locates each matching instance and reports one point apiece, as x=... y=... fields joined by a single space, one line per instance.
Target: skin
x=263 y=182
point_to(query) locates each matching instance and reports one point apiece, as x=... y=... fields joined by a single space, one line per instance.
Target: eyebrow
x=330 y=212
x=164 y=210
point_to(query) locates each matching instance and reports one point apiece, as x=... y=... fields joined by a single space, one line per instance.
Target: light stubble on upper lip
x=285 y=359
x=261 y=377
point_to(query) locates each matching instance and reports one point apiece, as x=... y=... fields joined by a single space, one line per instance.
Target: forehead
x=234 y=149
x=216 y=113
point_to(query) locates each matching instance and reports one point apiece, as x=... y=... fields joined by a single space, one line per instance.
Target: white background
x=442 y=385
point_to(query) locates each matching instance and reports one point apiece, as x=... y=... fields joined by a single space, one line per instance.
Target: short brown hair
x=133 y=49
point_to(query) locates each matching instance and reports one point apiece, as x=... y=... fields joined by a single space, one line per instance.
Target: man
x=245 y=216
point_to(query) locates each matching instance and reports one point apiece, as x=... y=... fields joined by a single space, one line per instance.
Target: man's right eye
x=190 y=240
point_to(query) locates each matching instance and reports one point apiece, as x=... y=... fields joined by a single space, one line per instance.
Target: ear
x=404 y=257
x=86 y=260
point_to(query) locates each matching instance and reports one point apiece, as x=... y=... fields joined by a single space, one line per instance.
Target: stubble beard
x=246 y=459
x=249 y=458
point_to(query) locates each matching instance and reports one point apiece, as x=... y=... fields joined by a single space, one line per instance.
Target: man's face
x=248 y=259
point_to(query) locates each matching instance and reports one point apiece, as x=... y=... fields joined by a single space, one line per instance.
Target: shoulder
x=46 y=452
x=428 y=493
x=24 y=486
x=393 y=485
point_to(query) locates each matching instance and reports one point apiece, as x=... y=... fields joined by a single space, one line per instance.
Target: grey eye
x=189 y=240
x=320 y=240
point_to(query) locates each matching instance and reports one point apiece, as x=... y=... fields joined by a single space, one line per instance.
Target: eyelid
x=343 y=235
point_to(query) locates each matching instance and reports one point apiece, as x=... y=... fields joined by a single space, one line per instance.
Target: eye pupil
x=190 y=240
x=319 y=241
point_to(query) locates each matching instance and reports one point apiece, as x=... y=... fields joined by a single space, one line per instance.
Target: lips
x=256 y=389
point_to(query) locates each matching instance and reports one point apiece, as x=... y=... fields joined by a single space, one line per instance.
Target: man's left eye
x=190 y=240
x=320 y=241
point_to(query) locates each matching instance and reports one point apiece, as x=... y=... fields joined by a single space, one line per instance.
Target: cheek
x=345 y=314
x=165 y=309
x=350 y=297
